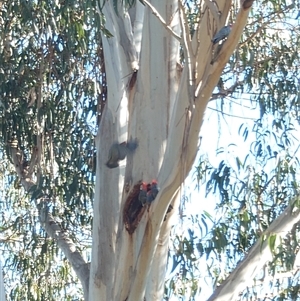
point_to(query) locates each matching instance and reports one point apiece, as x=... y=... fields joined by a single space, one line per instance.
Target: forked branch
x=161 y=19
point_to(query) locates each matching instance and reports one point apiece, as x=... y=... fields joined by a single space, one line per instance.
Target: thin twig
x=230 y=115
x=224 y=93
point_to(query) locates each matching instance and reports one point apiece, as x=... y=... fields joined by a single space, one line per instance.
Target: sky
x=218 y=131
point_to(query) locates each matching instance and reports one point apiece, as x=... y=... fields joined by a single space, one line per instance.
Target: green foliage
x=51 y=75
x=251 y=190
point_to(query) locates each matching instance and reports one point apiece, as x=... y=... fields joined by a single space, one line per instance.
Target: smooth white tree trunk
x=163 y=109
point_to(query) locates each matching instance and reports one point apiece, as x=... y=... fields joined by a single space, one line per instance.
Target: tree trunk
x=152 y=99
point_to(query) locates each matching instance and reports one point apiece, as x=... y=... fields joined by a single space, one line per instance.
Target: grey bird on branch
x=222 y=34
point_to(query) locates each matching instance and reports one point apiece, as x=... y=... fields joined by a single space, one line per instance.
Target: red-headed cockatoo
x=152 y=193
x=143 y=193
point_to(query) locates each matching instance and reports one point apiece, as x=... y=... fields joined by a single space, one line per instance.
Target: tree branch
x=17 y=157
x=188 y=54
x=63 y=241
x=258 y=255
x=161 y=19
x=51 y=226
x=171 y=175
x=214 y=12
x=231 y=115
x=224 y=93
x=191 y=69
x=206 y=87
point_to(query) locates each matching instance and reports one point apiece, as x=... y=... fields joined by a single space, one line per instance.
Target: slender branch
x=268 y=293
x=251 y=36
x=230 y=115
x=17 y=157
x=188 y=53
x=63 y=241
x=161 y=19
x=205 y=88
x=40 y=135
x=33 y=162
x=224 y=93
x=191 y=67
x=256 y=258
x=214 y=11
x=51 y=226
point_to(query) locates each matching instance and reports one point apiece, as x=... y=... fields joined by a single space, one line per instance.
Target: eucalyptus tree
x=79 y=77
x=161 y=104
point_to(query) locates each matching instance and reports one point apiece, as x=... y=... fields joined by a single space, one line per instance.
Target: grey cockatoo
x=118 y=152
x=222 y=34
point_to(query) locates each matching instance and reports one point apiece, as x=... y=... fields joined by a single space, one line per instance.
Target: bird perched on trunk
x=118 y=151
x=153 y=192
x=222 y=34
x=143 y=193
